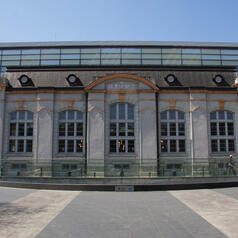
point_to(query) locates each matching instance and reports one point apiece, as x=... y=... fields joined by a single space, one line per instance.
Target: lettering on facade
x=121 y=86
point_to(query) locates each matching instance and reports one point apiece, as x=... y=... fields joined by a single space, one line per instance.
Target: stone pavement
x=204 y=213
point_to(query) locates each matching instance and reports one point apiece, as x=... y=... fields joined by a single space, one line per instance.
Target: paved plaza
x=26 y=213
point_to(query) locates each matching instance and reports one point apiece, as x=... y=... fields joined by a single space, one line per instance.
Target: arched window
x=122 y=128
x=21 y=132
x=172 y=131
x=70 y=131
x=222 y=131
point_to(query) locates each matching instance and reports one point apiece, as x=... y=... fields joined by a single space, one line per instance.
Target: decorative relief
x=44 y=108
x=147 y=108
x=95 y=108
x=122 y=97
x=172 y=103
x=70 y=104
x=221 y=104
x=21 y=104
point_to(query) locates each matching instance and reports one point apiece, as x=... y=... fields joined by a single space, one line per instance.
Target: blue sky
x=93 y=20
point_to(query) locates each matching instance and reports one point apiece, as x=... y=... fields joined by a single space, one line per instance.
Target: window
x=70 y=132
x=222 y=131
x=122 y=128
x=20 y=132
x=172 y=131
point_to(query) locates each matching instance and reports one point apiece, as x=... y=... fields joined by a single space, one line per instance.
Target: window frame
x=168 y=138
x=126 y=121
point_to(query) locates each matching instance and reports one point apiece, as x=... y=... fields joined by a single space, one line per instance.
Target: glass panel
x=191 y=51
x=181 y=145
x=163 y=129
x=71 y=129
x=113 y=147
x=172 y=129
x=230 y=63
x=181 y=129
x=121 y=111
x=131 y=50
x=229 y=116
x=192 y=62
x=221 y=115
x=113 y=129
x=79 y=145
x=12 y=129
x=189 y=57
x=12 y=146
x=229 y=57
x=11 y=57
x=90 y=56
x=29 y=116
x=164 y=147
x=170 y=56
x=151 y=56
x=130 y=112
x=172 y=62
x=30 y=57
x=230 y=128
x=151 y=61
x=79 y=129
x=70 y=51
x=110 y=56
x=113 y=110
x=61 y=146
x=49 y=62
x=21 y=127
x=171 y=50
x=62 y=116
x=13 y=116
x=69 y=62
x=210 y=51
x=62 y=129
x=30 y=52
x=90 y=62
x=30 y=62
x=213 y=129
x=211 y=62
x=131 y=56
x=131 y=62
x=70 y=56
x=211 y=57
x=10 y=63
x=79 y=115
x=152 y=50
x=131 y=146
x=70 y=115
x=50 y=51
x=21 y=115
x=173 y=146
x=229 y=52
x=222 y=145
x=29 y=146
x=163 y=115
x=50 y=57
x=130 y=129
x=91 y=51
x=231 y=145
x=111 y=62
x=110 y=50
x=122 y=145
x=70 y=146
x=30 y=129
x=122 y=129
x=213 y=115
x=11 y=52
x=20 y=146
x=172 y=115
x=222 y=129
x=214 y=146
x=181 y=115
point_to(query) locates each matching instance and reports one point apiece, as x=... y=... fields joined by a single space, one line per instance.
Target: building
x=117 y=108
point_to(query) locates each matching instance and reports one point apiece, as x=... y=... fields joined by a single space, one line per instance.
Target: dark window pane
x=172 y=128
x=181 y=145
x=13 y=116
x=229 y=116
x=172 y=115
x=230 y=128
x=231 y=145
x=21 y=127
x=79 y=116
x=213 y=115
x=181 y=129
x=29 y=146
x=130 y=112
x=213 y=129
x=221 y=115
x=79 y=129
x=70 y=146
x=130 y=126
x=113 y=146
x=21 y=115
x=121 y=111
x=61 y=146
x=29 y=116
x=122 y=145
x=177 y=166
x=222 y=145
x=12 y=146
x=65 y=167
x=113 y=110
x=62 y=129
x=113 y=129
x=20 y=146
x=214 y=146
x=131 y=146
x=122 y=129
x=173 y=146
x=71 y=115
x=70 y=129
x=163 y=115
x=169 y=166
x=12 y=129
x=164 y=129
x=62 y=115
x=73 y=166
x=180 y=115
x=79 y=145
x=29 y=129
x=163 y=144
x=222 y=129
